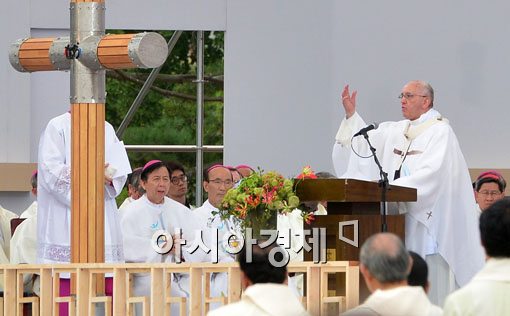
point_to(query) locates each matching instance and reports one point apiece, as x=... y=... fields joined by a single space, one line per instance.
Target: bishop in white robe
x=140 y=220
x=420 y=152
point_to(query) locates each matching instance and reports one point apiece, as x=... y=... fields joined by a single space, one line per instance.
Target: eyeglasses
x=219 y=182
x=490 y=193
x=408 y=96
x=177 y=180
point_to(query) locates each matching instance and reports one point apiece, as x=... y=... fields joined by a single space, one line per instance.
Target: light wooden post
x=88 y=191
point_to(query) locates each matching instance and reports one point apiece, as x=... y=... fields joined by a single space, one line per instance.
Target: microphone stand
x=383 y=184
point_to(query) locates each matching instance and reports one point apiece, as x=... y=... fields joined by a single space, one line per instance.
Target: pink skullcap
x=244 y=166
x=492 y=174
x=150 y=163
x=215 y=166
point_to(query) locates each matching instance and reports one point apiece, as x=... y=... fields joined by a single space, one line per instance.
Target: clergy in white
x=54 y=193
x=420 y=152
x=217 y=181
x=5 y=237
x=153 y=212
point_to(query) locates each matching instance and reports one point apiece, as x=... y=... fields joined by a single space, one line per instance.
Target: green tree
x=167 y=116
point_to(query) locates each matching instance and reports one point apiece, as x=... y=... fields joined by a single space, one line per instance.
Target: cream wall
x=285 y=63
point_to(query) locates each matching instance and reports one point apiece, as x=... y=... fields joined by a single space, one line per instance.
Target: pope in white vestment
x=54 y=194
x=425 y=151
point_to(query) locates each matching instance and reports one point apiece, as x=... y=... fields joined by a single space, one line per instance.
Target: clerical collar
x=153 y=204
x=431 y=113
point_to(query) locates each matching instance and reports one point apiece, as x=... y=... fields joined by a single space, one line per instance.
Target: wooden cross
x=87 y=53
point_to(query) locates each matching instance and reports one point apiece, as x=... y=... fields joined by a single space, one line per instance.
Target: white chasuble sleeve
x=352 y=157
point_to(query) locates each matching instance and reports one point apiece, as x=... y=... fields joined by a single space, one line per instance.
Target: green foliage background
x=163 y=120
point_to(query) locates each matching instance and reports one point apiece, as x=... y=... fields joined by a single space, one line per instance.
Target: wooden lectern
x=357 y=204
x=352 y=200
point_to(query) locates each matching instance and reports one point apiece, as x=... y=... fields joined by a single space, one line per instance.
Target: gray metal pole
x=87 y=20
x=200 y=116
x=146 y=87
x=174 y=148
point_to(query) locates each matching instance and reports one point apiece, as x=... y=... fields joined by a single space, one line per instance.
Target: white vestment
x=139 y=221
x=54 y=195
x=399 y=301
x=5 y=234
x=486 y=294
x=24 y=250
x=125 y=203
x=264 y=299
x=443 y=220
x=208 y=223
x=211 y=224
x=30 y=211
x=291 y=238
x=5 y=237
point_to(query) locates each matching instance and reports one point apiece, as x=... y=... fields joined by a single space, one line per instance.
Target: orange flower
x=306 y=173
x=253 y=201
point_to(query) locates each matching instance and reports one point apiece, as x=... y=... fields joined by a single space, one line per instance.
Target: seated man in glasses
x=178 y=183
x=217 y=181
x=420 y=152
x=489 y=187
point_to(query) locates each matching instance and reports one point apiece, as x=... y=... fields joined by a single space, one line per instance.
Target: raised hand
x=349 y=101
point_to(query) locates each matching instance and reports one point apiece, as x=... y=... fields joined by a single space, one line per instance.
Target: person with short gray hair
x=386 y=258
x=421 y=151
x=385 y=264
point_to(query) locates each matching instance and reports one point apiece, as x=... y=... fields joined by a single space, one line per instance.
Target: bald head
x=386 y=258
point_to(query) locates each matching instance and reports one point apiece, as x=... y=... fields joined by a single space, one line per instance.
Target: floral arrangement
x=260 y=197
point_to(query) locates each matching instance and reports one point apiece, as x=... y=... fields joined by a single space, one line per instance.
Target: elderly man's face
x=220 y=181
x=414 y=101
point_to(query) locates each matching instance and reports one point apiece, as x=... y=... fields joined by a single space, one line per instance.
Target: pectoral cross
x=87 y=53
x=429 y=215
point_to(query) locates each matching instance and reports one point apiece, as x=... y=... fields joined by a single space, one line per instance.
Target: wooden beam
x=87 y=238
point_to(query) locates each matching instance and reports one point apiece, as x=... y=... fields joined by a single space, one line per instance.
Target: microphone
x=364 y=130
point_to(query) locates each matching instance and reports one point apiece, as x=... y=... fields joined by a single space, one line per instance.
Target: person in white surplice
x=421 y=152
x=54 y=196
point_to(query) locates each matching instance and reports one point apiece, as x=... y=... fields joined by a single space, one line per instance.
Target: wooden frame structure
x=316 y=299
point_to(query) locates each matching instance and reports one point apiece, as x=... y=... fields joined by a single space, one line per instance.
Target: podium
x=354 y=214
x=353 y=206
